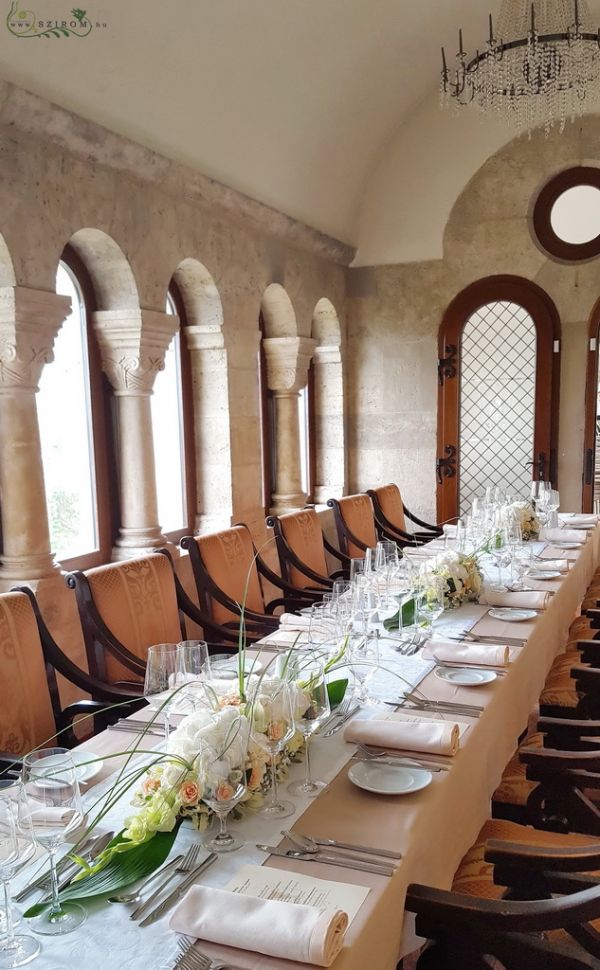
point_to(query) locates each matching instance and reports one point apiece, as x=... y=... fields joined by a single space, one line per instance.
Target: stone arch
x=111 y=275
x=328 y=390
x=279 y=316
x=202 y=331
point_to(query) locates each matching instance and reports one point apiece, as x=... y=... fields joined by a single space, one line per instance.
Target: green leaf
x=123 y=869
x=336 y=690
x=408 y=617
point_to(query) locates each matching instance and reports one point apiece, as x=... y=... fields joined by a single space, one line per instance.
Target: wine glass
x=17 y=847
x=364 y=657
x=191 y=661
x=161 y=679
x=309 y=677
x=430 y=602
x=271 y=727
x=500 y=552
x=224 y=772
x=553 y=505
x=52 y=810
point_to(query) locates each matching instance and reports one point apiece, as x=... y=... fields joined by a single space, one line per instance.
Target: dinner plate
x=511 y=615
x=465 y=676
x=389 y=779
x=83 y=771
x=543 y=574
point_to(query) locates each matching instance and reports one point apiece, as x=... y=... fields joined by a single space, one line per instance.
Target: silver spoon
x=135 y=895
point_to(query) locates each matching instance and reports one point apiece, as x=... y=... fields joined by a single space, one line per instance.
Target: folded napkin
x=564 y=535
x=554 y=565
x=289 y=621
x=42 y=815
x=287 y=930
x=465 y=653
x=426 y=736
x=582 y=518
x=529 y=600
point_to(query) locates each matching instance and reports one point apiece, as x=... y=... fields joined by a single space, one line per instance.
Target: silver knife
x=167 y=874
x=72 y=870
x=43 y=881
x=333 y=843
x=124 y=729
x=179 y=891
x=330 y=860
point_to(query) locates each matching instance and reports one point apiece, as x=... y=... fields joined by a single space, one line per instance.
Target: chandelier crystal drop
x=540 y=65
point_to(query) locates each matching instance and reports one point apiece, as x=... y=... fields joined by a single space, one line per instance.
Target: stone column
x=133 y=344
x=329 y=423
x=288 y=360
x=29 y=323
x=212 y=442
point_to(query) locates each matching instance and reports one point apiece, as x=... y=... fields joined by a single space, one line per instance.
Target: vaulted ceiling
x=293 y=102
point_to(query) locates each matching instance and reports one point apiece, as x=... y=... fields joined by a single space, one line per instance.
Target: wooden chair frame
x=256 y=625
x=467 y=928
x=287 y=558
x=345 y=534
x=388 y=530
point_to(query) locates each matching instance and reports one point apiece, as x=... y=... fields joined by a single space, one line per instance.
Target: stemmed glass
x=271 y=727
x=364 y=656
x=17 y=846
x=553 y=505
x=224 y=771
x=192 y=661
x=429 y=602
x=500 y=552
x=161 y=678
x=309 y=676
x=52 y=811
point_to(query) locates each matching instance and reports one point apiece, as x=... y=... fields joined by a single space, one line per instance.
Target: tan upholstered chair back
x=390 y=501
x=302 y=532
x=229 y=560
x=26 y=716
x=357 y=513
x=137 y=601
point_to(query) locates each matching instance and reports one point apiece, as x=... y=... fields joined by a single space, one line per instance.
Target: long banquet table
x=432 y=828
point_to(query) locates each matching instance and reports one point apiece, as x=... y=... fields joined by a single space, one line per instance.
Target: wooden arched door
x=591 y=438
x=499 y=371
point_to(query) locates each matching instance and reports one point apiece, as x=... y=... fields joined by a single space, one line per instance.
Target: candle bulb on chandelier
x=461 y=51
x=491 y=30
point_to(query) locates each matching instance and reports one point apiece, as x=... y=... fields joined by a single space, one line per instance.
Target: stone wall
x=394 y=313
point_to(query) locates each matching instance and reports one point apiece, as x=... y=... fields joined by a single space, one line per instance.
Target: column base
x=288 y=503
x=26 y=570
x=141 y=542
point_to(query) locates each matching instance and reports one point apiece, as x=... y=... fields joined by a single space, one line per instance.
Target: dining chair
x=355 y=524
x=391 y=514
x=124 y=608
x=31 y=713
x=227 y=572
x=522 y=897
x=301 y=548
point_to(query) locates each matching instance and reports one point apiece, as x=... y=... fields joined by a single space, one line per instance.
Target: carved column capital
x=133 y=344
x=29 y=322
x=288 y=360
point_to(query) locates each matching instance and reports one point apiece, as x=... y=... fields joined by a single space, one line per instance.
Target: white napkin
x=582 y=518
x=287 y=930
x=529 y=600
x=553 y=565
x=42 y=815
x=564 y=535
x=426 y=736
x=289 y=621
x=476 y=653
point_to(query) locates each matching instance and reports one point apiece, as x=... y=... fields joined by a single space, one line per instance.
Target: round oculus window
x=566 y=216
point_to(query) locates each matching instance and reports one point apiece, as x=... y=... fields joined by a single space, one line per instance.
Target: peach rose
x=189 y=793
x=224 y=792
x=275 y=731
x=256 y=776
x=150 y=785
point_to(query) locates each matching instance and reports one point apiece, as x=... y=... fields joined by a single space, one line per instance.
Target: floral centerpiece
x=463 y=582
x=524 y=514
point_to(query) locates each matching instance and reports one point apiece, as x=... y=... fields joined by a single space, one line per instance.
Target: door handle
x=446 y=467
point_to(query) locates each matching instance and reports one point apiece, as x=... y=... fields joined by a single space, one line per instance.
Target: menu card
x=293 y=887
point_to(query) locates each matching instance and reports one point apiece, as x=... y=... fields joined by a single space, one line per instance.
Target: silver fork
x=194 y=959
x=187 y=863
x=341 y=711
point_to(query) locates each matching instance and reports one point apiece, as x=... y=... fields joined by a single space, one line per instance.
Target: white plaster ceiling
x=290 y=101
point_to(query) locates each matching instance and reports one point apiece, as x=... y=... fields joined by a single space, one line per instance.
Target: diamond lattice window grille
x=497 y=401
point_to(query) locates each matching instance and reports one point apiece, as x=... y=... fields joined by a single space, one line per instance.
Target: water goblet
x=430 y=602
x=309 y=677
x=161 y=679
x=500 y=552
x=364 y=658
x=52 y=811
x=191 y=661
x=272 y=726
x=223 y=770
x=17 y=847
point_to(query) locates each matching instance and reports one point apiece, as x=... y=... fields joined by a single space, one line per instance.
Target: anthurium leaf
x=408 y=617
x=336 y=690
x=123 y=869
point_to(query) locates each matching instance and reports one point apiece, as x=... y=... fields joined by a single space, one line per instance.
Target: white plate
x=511 y=615
x=465 y=676
x=543 y=574
x=388 y=779
x=83 y=771
x=561 y=544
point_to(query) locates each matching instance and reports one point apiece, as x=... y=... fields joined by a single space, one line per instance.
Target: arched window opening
x=67 y=433
x=168 y=427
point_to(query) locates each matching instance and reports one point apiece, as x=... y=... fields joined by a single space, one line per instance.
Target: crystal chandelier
x=540 y=66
